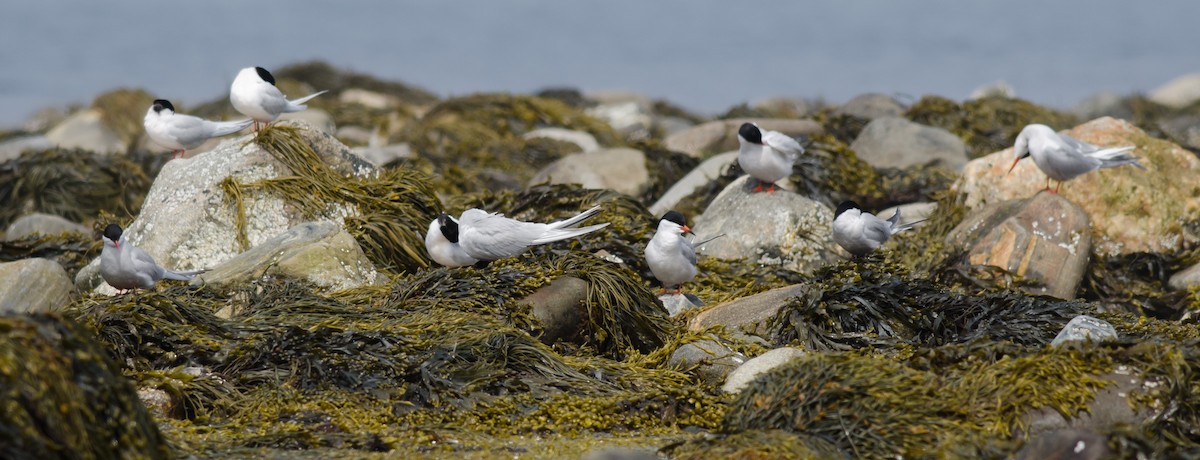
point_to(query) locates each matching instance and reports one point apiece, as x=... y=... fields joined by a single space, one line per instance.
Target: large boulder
x=1132 y=210
x=894 y=142
x=1179 y=92
x=721 y=135
x=698 y=177
x=780 y=228
x=33 y=285
x=871 y=106
x=1045 y=239
x=622 y=169
x=43 y=224
x=86 y=130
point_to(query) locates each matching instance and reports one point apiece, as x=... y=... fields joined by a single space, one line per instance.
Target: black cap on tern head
x=750 y=133
x=676 y=217
x=266 y=76
x=113 y=232
x=448 y=227
x=160 y=104
x=845 y=206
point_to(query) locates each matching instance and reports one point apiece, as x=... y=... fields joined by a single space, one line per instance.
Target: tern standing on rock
x=766 y=155
x=180 y=132
x=254 y=94
x=125 y=266
x=486 y=236
x=671 y=257
x=861 y=233
x=1063 y=157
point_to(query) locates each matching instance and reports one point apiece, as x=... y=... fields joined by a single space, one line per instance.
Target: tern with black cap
x=485 y=236
x=125 y=266
x=1062 y=157
x=254 y=94
x=766 y=155
x=861 y=233
x=671 y=257
x=180 y=132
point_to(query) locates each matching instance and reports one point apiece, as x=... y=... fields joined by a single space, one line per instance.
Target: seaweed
x=123 y=110
x=1137 y=282
x=987 y=124
x=666 y=167
x=74 y=184
x=69 y=249
x=322 y=75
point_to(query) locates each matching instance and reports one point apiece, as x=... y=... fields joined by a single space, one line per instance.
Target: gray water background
x=705 y=55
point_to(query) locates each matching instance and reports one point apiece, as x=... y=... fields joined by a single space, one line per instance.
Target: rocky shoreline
x=1013 y=323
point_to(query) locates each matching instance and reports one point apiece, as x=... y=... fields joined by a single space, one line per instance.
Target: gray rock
x=380 y=156
x=670 y=125
x=1109 y=406
x=44 y=119
x=86 y=130
x=33 y=285
x=1046 y=239
x=748 y=314
x=910 y=212
x=1179 y=92
x=893 y=142
x=627 y=117
x=871 y=106
x=622 y=169
x=160 y=404
x=45 y=224
x=998 y=88
x=741 y=377
x=187 y=222
x=356 y=135
x=1085 y=328
x=558 y=306
x=1186 y=278
x=622 y=453
x=1104 y=103
x=779 y=228
x=708 y=170
x=584 y=140
x=676 y=303
x=789 y=106
x=13 y=148
x=707 y=359
x=317 y=118
x=721 y=135
x=320 y=252
x=1074 y=444
x=367 y=98
x=1183 y=129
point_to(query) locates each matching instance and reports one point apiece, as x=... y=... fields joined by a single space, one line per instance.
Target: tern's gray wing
x=273 y=100
x=190 y=131
x=144 y=265
x=783 y=143
x=487 y=236
x=876 y=229
x=1078 y=145
x=1065 y=162
x=688 y=250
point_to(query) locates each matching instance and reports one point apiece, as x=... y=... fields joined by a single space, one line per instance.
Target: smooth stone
x=1045 y=238
x=356 y=135
x=380 y=156
x=1104 y=103
x=33 y=285
x=1072 y=444
x=871 y=106
x=741 y=377
x=793 y=107
x=621 y=169
x=1085 y=328
x=558 y=306
x=747 y=314
x=1131 y=210
x=323 y=253
x=316 y=118
x=1183 y=129
x=676 y=303
x=367 y=98
x=584 y=140
x=721 y=135
x=13 y=148
x=1186 y=278
x=1111 y=405
x=159 y=403
x=625 y=117
x=44 y=224
x=910 y=212
x=86 y=130
x=698 y=177
x=1179 y=92
x=707 y=359
x=894 y=142
x=779 y=228
x=998 y=88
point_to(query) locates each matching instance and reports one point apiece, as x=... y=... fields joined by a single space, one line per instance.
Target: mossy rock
x=124 y=110
x=74 y=184
x=986 y=124
x=62 y=397
x=324 y=76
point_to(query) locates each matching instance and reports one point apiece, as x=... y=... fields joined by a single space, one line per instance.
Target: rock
x=622 y=453
x=1183 y=129
x=45 y=224
x=1104 y=103
x=33 y=285
x=741 y=377
x=320 y=252
x=628 y=113
x=585 y=141
x=557 y=305
x=1109 y=406
x=1073 y=444
x=187 y=222
x=698 y=177
x=998 y=88
x=1186 y=278
x=159 y=403
x=670 y=125
x=622 y=169
x=13 y=148
x=711 y=360
x=779 y=228
x=1132 y=210
x=317 y=118
x=1179 y=92
x=44 y=119
x=1085 y=328
x=367 y=98
x=357 y=135
x=871 y=106
x=1044 y=239
x=786 y=107
x=894 y=142
x=721 y=135
x=380 y=156
x=676 y=303
x=86 y=130
x=909 y=213
x=748 y=314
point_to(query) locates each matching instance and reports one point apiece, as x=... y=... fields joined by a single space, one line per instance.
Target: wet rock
x=707 y=359
x=721 y=135
x=700 y=176
x=13 y=148
x=741 y=377
x=44 y=224
x=1072 y=444
x=557 y=305
x=748 y=314
x=894 y=142
x=871 y=106
x=1045 y=239
x=187 y=222
x=320 y=252
x=33 y=285
x=779 y=228
x=1179 y=92
x=585 y=141
x=367 y=98
x=1085 y=328
x=1184 y=129
x=998 y=88
x=316 y=118
x=622 y=169
x=1133 y=210
x=1185 y=278
x=86 y=130
x=909 y=213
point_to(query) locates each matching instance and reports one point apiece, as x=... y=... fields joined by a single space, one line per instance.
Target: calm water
x=705 y=55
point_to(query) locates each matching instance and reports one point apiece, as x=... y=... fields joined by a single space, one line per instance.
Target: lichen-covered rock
x=748 y=313
x=699 y=176
x=41 y=223
x=707 y=359
x=894 y=142
x=759 y=365
x=33 y=285
x=1179 y=92
x=320 y=252
x=622 y=169
x=1131 y=209
x=780 y=228
x=721 y=135
x=1045 y=239
x=871 y=106
x=86 y=130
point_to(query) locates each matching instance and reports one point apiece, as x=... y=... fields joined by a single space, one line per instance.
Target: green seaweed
x=987 y=124
x=69 y=249
x=74 y=184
